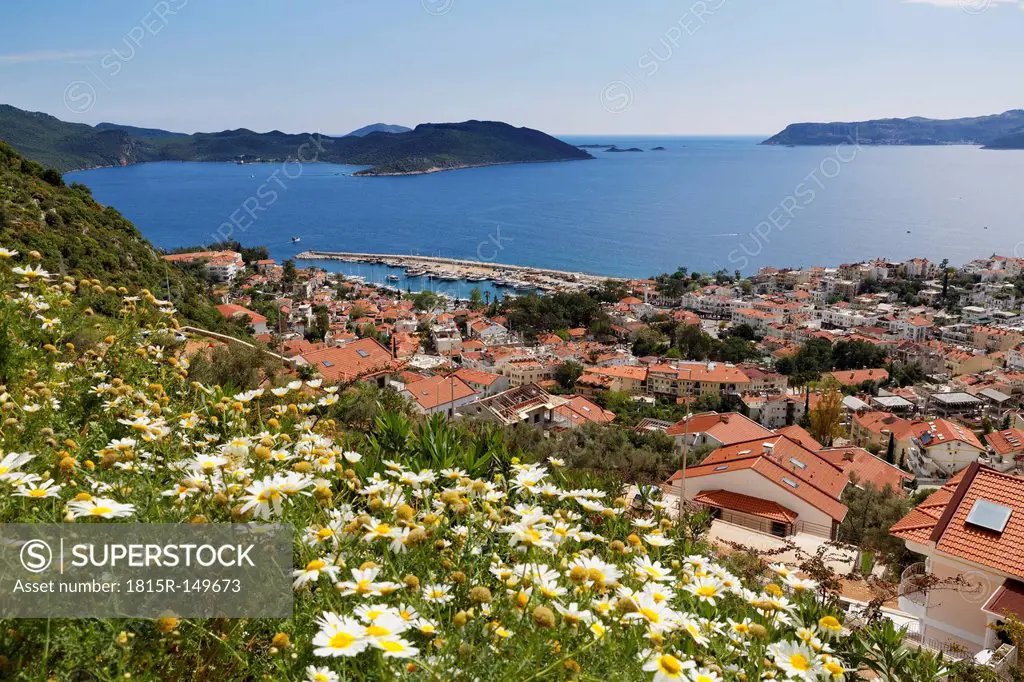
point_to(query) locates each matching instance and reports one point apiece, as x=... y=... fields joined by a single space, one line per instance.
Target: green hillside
x=76 y=236
x=68 y=146
x=917 y=130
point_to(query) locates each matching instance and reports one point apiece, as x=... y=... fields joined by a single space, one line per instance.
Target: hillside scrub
x=413 y=558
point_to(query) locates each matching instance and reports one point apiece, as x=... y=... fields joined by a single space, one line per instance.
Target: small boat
x=296 y=240
x=392 y=278
x=449 y=276
x=476 y=278
x=415 y=272
x=523 y=286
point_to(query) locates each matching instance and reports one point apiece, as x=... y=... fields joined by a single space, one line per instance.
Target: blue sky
x=563 y=66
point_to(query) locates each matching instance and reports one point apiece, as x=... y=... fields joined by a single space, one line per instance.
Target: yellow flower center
x=706 y=591
x=341 y=640
x=670 y=665
x=650 y=614
x=100 y=511
x=830 y=623
x=37 y=492
x=392 y=646
x=377 y=631
x=315 y=565
x=799 y=662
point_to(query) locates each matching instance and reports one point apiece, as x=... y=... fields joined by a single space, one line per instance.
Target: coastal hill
x=378 y=128
x=1004 y=130
x=76 y=236
x=429 y=147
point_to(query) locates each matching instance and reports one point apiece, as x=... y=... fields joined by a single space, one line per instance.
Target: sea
x=703 y=203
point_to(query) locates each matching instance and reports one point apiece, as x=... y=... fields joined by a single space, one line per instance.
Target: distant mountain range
x=998 y=131
x=379 y=128
x=427 y=148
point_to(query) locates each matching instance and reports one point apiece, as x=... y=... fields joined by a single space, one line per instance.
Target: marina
x=510 y=278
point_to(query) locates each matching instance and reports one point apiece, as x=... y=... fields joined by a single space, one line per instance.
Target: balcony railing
x=913 y=583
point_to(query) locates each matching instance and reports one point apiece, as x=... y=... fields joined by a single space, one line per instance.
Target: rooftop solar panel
x=989 y=515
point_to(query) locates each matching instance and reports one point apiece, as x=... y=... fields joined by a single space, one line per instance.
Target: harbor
x=436 y=270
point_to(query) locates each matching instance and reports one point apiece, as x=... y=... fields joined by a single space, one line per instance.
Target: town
x=780 y=400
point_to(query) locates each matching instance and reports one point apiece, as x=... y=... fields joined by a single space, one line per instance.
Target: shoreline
x=365 y=173
x=545 y=277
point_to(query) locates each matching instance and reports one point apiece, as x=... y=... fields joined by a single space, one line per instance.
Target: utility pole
x=682 y=479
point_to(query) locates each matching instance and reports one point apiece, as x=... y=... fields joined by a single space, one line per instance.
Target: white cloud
x=48 y=56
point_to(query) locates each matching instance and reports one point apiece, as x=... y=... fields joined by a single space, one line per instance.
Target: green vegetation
x=1004 y=131
x=871 y=513
x=476 y=564
x=250 y=254
x=430 y=146
x=532 y=315
x=77 y=237
x=819 y=356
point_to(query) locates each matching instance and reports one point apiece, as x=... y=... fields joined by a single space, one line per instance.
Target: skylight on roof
x=328 y=363
x=797 y=463
x=362 y=353
x=989 y=515
x=721 y=467
x=790 y=482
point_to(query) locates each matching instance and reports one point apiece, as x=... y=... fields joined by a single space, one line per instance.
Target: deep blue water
x=704 y=203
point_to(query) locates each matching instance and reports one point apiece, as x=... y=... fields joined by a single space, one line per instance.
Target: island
x=613 y=148
x=378 y=128
x=657 y=149
x=998 y=131
x=427 y=148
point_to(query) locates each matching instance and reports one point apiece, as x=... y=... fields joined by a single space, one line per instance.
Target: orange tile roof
x=1007 y=442
x=633 y=372
x=727 y=428
x=580 y=410
x=439 y=390
x=800 y=435
x=817 y=481
x=877 y=422
x=866 y=468
x=713 y=372
x=226 y=256
x=790 y=456
x=856 y=377
x=360 y=359
x=746 y=504
x=475 y=376
x=942 y=519
x=942 y=431
x=230 y=310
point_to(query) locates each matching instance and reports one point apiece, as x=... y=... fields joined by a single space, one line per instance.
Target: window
x=790 y=482
x=362 y=353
